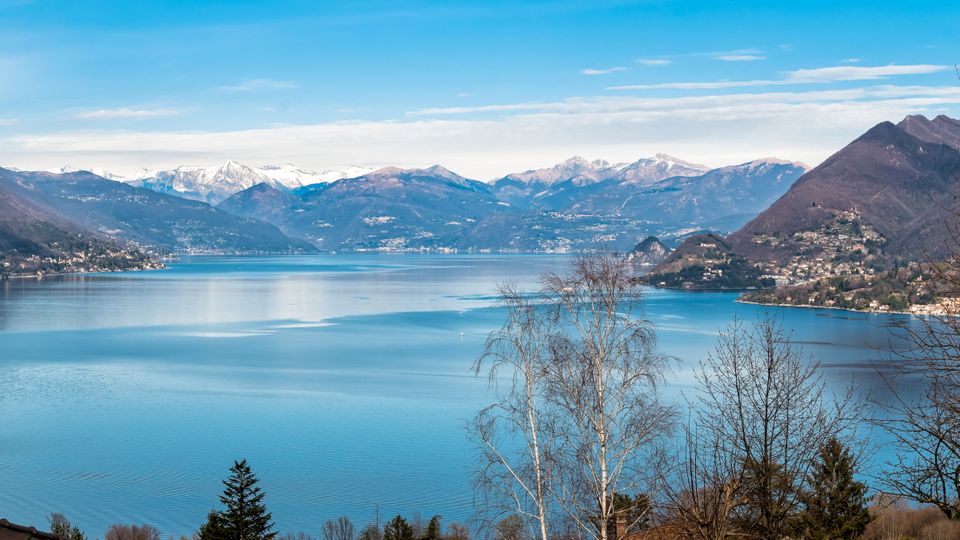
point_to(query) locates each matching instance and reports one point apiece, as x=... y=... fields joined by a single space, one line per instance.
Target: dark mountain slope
x=263 y=202
x=941 y=129
x=706 y=261
x=33 y=238
x=113 y=209
x=887 y=181
x=389 y=208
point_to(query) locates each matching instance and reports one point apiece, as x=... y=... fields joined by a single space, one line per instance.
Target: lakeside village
x=839 y=265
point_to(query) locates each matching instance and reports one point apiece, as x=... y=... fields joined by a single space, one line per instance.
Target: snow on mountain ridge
x=216 y=183
x=581 y=171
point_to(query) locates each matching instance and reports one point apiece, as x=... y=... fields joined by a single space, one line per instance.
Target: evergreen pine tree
x=246 y=517
x=630 y=515
x=397 y=529
x=834 y=504
x=213 y=529
x=433 y=531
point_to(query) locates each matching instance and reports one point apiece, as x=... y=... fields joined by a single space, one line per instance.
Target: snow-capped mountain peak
x=648 y=171
x=770 y=161
x=216 y=183
x=574 y=168
x=67 y=169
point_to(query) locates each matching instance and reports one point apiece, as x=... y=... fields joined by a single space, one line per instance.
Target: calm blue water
x=343 y=379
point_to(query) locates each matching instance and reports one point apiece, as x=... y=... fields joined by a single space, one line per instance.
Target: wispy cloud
x=737 y=55
x=605 y=71
x=850 y=61
x=124 y=112
x=741 y=57
x=698 y=85
x=9 y=121
x=251 y=85
x=699 y=104
x=861 y=73
x=799 y=76
x=654 y=61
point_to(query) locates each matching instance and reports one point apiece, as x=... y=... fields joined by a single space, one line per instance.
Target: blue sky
x=484 y=88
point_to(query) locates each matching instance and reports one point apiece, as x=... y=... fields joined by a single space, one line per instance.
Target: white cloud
x=715 y=129
x=103 y=114
x=738 y=55
x=705 y=85
x=9 y=121
x=606 y=71
x=464 y=94
x=251 y=85
x=741 y=57
x=799 y=76
x=850 y=61
x=654 y=61
x=509 y=107
x=860 y=73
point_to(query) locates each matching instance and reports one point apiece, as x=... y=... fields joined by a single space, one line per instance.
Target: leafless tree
x=511 y=483
x=417 y=524
x=926 y=468
x=61 y=526
x=338 y=529
x=457 y=531
x=705 y=487
x=926 y=429
x=132 y=532
x=603 y=375
x=764 y=413
x=296 y=536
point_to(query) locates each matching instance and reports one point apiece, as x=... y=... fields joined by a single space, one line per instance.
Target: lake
x=344 y=379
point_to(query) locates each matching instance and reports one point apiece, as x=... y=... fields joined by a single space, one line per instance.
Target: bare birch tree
x=516 y=482
x=603 y=375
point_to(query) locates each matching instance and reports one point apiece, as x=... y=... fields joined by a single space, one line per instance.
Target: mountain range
x=889 y=197
x=539 y=186
x=575 y=205
x=234 y=208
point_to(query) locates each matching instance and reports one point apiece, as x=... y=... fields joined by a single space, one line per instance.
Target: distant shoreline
x=34 y=275
x=848 y=310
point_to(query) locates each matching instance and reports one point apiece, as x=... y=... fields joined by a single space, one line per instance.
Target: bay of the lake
x=344 y=380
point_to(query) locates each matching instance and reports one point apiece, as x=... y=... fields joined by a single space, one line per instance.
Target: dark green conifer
x=433 y=531
x=397 y=529
x=245 y=517
x=834 y=504
x=213 y=529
